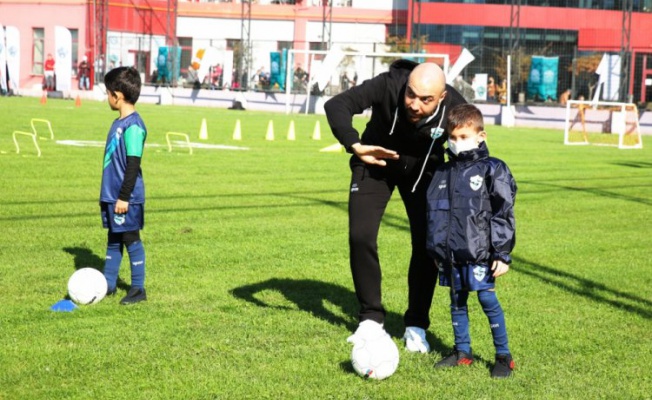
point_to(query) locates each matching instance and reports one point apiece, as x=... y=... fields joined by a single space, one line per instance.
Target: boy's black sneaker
x=111 y=292
x=135 y=295
x=455 y=358
x=503 y=367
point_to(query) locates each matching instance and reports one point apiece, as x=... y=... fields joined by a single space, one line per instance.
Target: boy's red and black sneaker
x=503 y=367
x=456 y=358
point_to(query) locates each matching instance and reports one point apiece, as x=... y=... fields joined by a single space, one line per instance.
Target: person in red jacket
x=49 y=72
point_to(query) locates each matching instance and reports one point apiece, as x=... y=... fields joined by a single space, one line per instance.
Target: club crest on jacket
x=476 y=182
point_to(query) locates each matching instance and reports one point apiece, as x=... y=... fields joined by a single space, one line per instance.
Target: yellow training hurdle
x=45 y=121
x=183 y=135
x=32 y=135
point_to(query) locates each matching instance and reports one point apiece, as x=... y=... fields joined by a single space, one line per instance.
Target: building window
x=74 y=57
x=186 y=53
x=280 y=45
x=232 y=44
x=38 y=46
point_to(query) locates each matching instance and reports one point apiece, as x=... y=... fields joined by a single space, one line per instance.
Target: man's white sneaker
x=415 y=340
x=367 y=330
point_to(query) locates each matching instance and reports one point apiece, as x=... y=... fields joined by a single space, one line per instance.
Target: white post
x=506 y=114
x=509 y=80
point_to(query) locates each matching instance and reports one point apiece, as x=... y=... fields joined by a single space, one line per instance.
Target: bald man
x=400 y=147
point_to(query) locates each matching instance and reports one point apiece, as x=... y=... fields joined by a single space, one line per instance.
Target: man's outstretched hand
x=374 y=155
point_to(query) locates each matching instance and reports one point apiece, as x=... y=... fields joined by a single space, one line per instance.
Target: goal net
x=602 y=123
x=317 y=72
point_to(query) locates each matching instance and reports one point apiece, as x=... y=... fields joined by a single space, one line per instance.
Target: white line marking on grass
x=97 y=143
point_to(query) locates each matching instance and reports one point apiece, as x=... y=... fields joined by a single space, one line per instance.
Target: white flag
x=63 y=58
x=322 y=74
x=3 y=61
x=208 y=60
x=12 y=37
x=609 y=81
x=462 y=61
x=227 y=68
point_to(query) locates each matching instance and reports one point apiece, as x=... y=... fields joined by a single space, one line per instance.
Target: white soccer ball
x=376 y=358
x=87 y=286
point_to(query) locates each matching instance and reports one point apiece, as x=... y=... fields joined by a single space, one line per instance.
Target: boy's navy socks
x=112 y=264
x=136 y=252
x=460 y=320
x=494 y=313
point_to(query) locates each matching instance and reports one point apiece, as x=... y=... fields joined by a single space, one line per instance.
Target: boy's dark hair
x=465 y=115
x=125 y=80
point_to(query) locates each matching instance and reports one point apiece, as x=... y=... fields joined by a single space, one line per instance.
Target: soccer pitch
x=250 y=293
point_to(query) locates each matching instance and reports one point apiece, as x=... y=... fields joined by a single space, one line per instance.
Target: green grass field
x=250 y=294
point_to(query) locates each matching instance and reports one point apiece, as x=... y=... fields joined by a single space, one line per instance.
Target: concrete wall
x=550 y=117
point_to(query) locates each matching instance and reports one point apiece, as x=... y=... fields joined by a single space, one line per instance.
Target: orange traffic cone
x=78 y=101
x=44 y=98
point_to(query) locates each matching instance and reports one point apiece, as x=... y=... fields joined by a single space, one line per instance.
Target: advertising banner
x=12 y=38
x=480 y=86
x=542 y=83
x=168 y=63
x=3 y=61
x=277 y=69
x=63 y=58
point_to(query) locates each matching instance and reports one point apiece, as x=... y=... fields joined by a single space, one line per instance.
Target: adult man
x=400 y=147
x=84 y=73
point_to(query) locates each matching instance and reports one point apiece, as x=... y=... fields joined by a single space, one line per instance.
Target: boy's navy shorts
x=469 y=277
x=133 y=220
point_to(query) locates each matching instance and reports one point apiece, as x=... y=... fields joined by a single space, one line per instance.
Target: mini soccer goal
x=602 y=123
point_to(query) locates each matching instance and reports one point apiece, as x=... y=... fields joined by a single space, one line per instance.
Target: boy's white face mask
x=463 y=145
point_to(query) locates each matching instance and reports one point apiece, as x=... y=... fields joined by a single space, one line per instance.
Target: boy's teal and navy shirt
x=126 y=138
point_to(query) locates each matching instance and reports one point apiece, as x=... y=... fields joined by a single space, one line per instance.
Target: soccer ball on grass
x=87 y=286
x=375 y=358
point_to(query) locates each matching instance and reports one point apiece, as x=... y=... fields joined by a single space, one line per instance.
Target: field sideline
x=250 y=294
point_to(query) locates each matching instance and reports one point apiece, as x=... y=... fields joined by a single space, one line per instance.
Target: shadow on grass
x=603 y=191
x=85 y=258
x=585 y=287
x=399 y=222
x=634 y=164
x=310 y=296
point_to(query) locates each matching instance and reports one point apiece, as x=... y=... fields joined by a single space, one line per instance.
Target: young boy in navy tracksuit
x=471 y=232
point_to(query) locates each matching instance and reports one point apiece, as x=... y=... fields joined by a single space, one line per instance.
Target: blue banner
x=162 y=62
x=275 y=74
x=542 y=84
x=167 y=61
x=284 y=62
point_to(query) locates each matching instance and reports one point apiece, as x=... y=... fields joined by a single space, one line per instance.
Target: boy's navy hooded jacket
x=389 y=126
x=471 y=210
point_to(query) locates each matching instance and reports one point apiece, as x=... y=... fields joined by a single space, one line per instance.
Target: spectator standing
x=49 y=72
x=491 y=90
x=83 y=74
x=564 y=97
